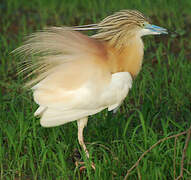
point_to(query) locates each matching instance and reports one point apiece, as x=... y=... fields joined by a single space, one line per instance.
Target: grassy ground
x=157 y=106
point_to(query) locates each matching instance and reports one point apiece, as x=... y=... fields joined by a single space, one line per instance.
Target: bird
x=73 y=75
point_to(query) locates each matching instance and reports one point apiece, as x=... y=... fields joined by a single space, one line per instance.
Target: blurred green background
x=157 y=106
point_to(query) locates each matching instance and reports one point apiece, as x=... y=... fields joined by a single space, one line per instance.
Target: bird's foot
x=82 y=165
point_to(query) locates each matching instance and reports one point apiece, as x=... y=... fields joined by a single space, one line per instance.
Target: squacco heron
x=76 y=76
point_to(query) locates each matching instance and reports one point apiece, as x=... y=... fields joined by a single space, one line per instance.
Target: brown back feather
x=54 y=46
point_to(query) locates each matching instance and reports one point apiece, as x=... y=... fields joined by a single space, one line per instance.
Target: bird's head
x=127 y=23
x=121 y=26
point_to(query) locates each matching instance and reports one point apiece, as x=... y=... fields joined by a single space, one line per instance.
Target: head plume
x=116 y=27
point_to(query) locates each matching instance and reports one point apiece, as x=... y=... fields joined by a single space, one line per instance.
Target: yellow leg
x=81 y=124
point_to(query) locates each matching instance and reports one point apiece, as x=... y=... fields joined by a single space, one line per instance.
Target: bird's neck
x=128 y=58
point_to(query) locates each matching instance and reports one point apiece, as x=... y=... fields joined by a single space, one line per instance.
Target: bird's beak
x=155 y=29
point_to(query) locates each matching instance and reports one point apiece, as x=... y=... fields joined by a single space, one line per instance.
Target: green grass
x=157 y=106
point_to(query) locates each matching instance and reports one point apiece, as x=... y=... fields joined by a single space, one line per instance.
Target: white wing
x=70 y=105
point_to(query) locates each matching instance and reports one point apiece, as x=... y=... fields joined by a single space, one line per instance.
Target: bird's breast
x=129 y=59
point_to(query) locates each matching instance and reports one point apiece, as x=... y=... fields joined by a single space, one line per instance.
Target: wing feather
x=69 y=105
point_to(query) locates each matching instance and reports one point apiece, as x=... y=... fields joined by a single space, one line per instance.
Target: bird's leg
x=81 y=124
